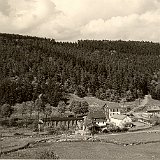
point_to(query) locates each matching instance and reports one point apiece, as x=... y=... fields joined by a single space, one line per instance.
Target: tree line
x=109 y=70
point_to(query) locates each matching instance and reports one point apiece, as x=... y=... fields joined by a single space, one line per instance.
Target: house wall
x=114 y=112
x=126 y=120
x=120 y=123
x=101 y=124
x=117 y=122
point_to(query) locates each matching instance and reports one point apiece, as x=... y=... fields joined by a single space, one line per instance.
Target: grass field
x=131 y=137
x=97 y=150
x=85 y=149
x=92 y=150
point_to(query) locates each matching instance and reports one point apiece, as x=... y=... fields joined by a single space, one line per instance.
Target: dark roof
x=100 y=120
x=153 y=110
x=112 y=105
x=97 y=115
x=62 y=119
x=93 y=125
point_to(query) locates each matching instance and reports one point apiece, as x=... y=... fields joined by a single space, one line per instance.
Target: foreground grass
x=91 y=150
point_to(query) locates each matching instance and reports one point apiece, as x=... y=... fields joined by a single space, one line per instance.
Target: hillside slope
x=109 y=70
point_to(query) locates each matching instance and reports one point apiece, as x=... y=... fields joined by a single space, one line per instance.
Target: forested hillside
x=111 y=70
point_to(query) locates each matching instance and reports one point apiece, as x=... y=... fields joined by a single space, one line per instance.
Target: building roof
x=100 y=120
x=119 y=116
x=153 y=110
x=97 y=114
x=112 y=105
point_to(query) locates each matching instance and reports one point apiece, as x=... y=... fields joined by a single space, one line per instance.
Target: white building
x=111 y=109
x=101 y=122
x=120 y=120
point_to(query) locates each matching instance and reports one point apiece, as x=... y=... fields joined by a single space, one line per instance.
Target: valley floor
x=93 y=150
x=144 y=145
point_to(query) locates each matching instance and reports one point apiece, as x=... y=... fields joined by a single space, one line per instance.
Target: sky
x=71 y=20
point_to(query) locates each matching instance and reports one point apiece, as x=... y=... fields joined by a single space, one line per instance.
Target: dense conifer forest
x=110 y=70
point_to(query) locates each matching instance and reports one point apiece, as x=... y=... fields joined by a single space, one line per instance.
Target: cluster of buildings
x=103 y=113
x=110 y=112
x=121 y=114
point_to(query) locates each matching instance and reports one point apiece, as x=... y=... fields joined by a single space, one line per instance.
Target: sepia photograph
x=80 y=79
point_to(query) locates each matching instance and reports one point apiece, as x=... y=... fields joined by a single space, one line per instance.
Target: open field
x=92 y=150
x=131 y=137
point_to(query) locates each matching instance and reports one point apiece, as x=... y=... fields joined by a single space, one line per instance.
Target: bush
x=4 y=122
x=128 y=124
x=62 y=128
x=125 y=129
x=112 y=128
x=46 y=154
x=35 y=126
x=105 y=130
x=21 y=123
x=57 y=130
x=53 y=131
x=13 y=122
x=155 y=121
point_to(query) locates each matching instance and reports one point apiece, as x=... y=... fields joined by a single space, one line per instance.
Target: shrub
x=4 y=122
x=128 y=124
x=35 y=125
x=125 y=129
x=62 y=128
x=18 y=134
x=155 y=121
x=21 y=123
x=6 y=110
x=53 y=131
x=105 y=130
x=46 y=154
x=112 y=128
x=13 y=122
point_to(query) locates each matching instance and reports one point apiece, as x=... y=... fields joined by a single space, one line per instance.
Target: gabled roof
x=119 y=117
x=96 y=114
x=153 y=110
x=100 y=120
x=112 y=105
